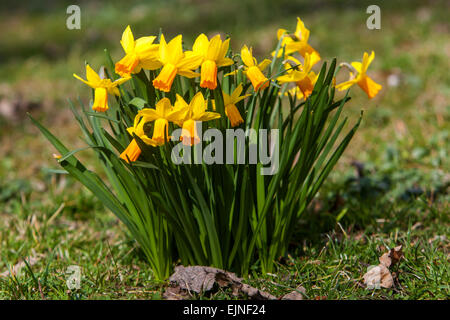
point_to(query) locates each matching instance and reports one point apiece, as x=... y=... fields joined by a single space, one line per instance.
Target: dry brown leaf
x=203 y=279
x=392 y=256
x=378 y=276
x=297 y=294
x=18 y=266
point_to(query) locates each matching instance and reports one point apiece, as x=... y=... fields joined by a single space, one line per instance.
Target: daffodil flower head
x=254 y=70
x=358 y=75
x=132 y=152
x=162 y=114
x=213 y=54
x=301 y=74
x=230 y=102
x=175 y=61
x=140 y=53
x=196 y=111
x=102 y=88
x=297 y=42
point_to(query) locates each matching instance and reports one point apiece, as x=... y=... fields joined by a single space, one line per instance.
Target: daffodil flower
x=196 y=112
x=301 y=74
x=297 y=42
x=142 y=53
x=294 y=92
x=102 y=88
x=132 y=152
x=231 y=110
x=358 y=75
x=174 y=62
x=253 y=70
x=162 y=114
x=213 y=53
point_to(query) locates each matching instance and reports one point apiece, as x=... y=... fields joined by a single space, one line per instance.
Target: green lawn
x=400 y=197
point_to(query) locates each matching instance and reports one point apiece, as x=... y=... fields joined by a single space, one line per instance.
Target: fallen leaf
x=297 y=294
x=392 y=256
x=202 y=279
x=378 y=276
x=18 y=266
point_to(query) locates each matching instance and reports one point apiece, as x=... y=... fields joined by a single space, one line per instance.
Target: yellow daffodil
x=133 y=151
x=102 y=88
x=162 y=114
x=213 y=53
x=358 y=75
x=196 y=112
x=302 y=75
x=297 y=42
x=294 y=92
x=142 y=53
x=253 y=70
x=174 y=62
x=231 y=110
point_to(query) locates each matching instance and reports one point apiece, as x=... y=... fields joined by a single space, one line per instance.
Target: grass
x=399 y=197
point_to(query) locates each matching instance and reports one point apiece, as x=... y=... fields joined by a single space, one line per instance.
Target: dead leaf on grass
x=202 y=279
x=391 y=257
x=18 y=266
x=297 y=294
x=379 y=276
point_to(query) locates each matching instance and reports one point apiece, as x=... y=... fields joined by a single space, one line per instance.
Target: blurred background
x=401 y=149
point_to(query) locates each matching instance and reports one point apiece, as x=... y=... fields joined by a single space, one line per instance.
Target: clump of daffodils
x=207 y=57
x=165 y=95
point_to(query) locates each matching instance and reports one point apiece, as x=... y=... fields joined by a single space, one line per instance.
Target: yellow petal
x=224 y=49
x=127 y=41
x=190 y=61
x=236 y=93
x=150 y=113
x=175 y=50
x=301 y=32
x=163 y=50
x=206 y=116
x=225 y=62
x=92 y=76
x=81 y=79
x=163 y=107
x=280 y=33
x=214 y=49
x=345 y=85
x=264 y=64
x=150 y=63
x=201 y=45
x=197 y=105
x=145 y=44
x=357 y=65
x=247 y=57
x=188 y=73
x=367 y=60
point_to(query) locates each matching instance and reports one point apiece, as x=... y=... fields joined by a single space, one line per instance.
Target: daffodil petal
x=127 y=41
